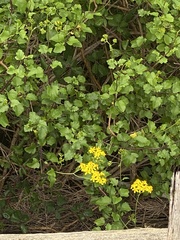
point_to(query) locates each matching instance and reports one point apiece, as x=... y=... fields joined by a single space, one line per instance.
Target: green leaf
x=11 y=70
x=111 y=190
x=156 y=101
x=116 y=217
x=103 y=201
x=78 y=103
x=61 y=200
x=34 y=164
x=75 y=125
x=147 y=88
x=81 y=79
x=117 y=225
x=1 y=53
x=3 y=120
x=52 y=91
x=138 y=42
x=124 y=192
x=31 y=5
x=140 y=68
x=161 y=47
x=167 y=39
x=21 y=5
x=59 y=48
x=31 y=149
x=56 y=113
x=17 y=107
x=42 y=129
x=19 y=55
x=72 y=41
x=89 y=15
x=34 y=118
x=51 y=140
x=65 y=131
x=51 y=177
x=35 y=71
x=112 y=63
x=142 y=141
x=52 y=157
x=43 y=49
x=125 y=207
x=12 y=94
x=116 y=200
x=31 y=97
x=176 y=86
x=3 y=103
x=129 y=158
x=122 y=103
x=17 y=81
x=151 y=126
x=114 y=181
x=178 y=52
x=55 y=64
x=92 y=97
x=151 y=78
x=56 y=37
x=100 y=221
x=69 y=154
x=23 y=228
x=123 y=137
x=125 y=44
x=169 y=18
x=4 y=36
x=162 y=60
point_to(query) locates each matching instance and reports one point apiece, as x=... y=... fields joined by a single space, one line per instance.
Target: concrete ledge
x=129 y=234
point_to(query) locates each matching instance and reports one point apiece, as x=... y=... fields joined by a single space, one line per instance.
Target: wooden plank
x=129 y=234
x=174 y=208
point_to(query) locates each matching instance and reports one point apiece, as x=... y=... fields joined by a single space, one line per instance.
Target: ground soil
x=62 y=208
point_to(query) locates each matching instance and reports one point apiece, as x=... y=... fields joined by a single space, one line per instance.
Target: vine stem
x=2 y=64
x=136 y=208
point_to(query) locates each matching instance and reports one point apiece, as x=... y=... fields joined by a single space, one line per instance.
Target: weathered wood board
x=129 y=234
x=174 y=208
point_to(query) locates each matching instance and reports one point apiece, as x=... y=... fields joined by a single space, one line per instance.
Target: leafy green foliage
x=75 y=74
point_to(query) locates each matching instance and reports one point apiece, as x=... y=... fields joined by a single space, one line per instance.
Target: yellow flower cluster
x=133 y=135
x=97 y=152
x=98 y=177
x=141 y=186
x=88 y=168
x=92 y=168
x=58 y=25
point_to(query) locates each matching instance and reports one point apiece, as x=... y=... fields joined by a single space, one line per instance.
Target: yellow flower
x=133 y=135
x=89 y=168
x=97 y=152
x=98 y=177
x=35 y=132
x=141 y=186
x=92 y=168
